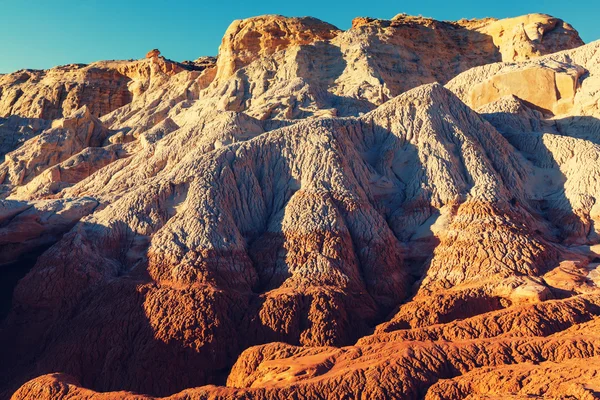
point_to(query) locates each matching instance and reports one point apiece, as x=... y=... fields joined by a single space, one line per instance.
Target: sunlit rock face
x=406 y=209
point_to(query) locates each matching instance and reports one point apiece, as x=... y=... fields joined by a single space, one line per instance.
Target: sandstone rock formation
x=527 y=36
x=15 y=130
x=153 y=53
x=103 y=87
x=251 y=39
x=312 y=214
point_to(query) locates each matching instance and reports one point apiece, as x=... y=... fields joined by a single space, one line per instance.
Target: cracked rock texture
x=312 y=214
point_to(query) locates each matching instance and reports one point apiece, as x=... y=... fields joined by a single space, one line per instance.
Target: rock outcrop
x=253 y=38
x=153 y=53
x=549 y=90
x=312 y=214
x=56 y=93
x=527 y=36
x=521 y=366
x=66 y=137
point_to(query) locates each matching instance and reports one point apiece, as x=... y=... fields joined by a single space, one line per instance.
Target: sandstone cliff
x=313 y=214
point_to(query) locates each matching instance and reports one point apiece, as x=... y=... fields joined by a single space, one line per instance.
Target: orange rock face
x=153 y=53
x=551 y=91
x=250 y=39
x=310 y=215
x=527 y=36
x=103 y=87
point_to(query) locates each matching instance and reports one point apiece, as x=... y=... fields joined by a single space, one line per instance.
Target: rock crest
x=153 y=53
x=404 y=209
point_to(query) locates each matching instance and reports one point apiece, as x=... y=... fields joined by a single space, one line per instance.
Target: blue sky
x=42 y=34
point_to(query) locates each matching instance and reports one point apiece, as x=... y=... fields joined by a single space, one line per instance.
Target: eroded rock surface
x=102 y=87
x=310 y=214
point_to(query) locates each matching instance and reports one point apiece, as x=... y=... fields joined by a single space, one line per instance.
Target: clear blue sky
x=45 y=33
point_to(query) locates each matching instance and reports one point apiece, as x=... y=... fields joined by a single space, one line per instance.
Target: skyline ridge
x=70 y=33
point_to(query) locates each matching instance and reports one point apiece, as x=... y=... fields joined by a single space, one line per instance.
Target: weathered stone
x=153 y=53
x=311 y=215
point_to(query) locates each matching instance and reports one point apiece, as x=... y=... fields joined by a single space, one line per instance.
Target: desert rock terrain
x=403 y=210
